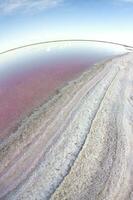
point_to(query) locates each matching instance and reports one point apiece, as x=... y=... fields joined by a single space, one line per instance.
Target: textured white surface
x=79 y=145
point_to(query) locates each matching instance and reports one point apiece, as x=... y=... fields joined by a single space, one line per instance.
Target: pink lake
x=29 y=75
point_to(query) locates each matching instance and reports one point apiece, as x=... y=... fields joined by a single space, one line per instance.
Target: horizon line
x=64 y=40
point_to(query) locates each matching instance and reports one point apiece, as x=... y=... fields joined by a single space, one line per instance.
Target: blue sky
x=29 y=21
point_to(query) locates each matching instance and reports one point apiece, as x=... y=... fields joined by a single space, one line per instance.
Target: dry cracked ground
x=78 y=145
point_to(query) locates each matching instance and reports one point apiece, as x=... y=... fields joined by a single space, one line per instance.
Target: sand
x=78 y=145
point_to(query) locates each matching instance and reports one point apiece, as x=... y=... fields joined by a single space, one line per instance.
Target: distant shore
x=67 y=40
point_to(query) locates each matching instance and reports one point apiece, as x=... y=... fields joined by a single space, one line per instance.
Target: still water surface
x=29 y=75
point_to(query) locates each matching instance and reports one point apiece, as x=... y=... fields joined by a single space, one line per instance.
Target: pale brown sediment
x=79 y=144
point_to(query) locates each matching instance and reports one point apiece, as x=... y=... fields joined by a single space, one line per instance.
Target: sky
x=29 y=21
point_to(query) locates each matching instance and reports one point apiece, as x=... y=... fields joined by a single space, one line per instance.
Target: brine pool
x=29 y=75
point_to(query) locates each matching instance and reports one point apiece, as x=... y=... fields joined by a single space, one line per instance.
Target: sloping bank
x=79 y=144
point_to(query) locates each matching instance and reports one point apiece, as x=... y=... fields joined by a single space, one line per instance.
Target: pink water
x=28 y=79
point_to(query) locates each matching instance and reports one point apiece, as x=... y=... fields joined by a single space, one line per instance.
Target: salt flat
x=78 y=145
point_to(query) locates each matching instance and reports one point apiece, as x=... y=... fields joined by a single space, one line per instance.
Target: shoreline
x=69 y=121
x=16 y=124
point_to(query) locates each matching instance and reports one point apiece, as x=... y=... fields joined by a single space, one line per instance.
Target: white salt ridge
x=88 y=150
